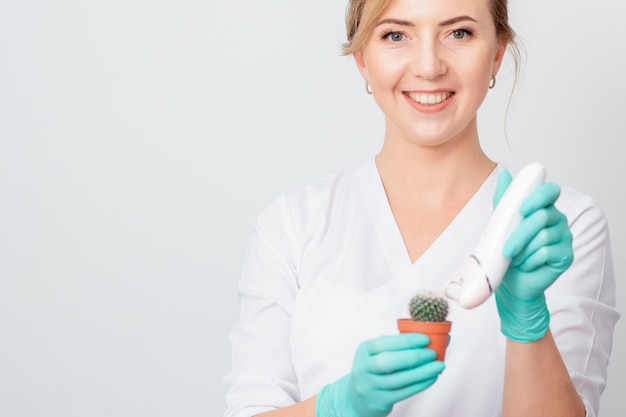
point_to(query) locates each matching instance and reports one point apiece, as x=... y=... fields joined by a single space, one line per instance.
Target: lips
x=429 y=99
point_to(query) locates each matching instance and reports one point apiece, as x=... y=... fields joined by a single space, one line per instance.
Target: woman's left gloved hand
x=386 y=370
x=540 y=249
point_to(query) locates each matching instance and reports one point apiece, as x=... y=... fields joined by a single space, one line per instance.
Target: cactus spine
x=428 y=306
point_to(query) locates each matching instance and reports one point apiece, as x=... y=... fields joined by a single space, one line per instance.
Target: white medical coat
x=327 y=269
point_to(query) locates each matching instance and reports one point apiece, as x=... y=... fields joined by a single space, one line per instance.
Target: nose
x=428 y=60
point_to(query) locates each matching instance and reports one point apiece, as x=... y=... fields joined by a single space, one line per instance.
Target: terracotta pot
x=437 y=332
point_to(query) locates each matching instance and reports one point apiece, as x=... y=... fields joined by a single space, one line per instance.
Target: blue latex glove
x=540 y=250
x=385 y=370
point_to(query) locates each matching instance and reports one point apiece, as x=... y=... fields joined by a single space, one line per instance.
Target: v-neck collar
x=472 y=216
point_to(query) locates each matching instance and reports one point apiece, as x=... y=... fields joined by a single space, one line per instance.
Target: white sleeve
x=582 y=304
x=262 y=377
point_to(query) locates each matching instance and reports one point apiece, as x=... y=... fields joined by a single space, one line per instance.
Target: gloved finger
x=547 y=236
x=544 y=195
x=410 y=377
x=395 y=361
x=411 y=390
x=529 y=228
x=559 y=257
x=504 y=180
x=395 y=396
x=395 y=342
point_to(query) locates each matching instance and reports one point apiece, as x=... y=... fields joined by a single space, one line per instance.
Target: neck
x=449 y=172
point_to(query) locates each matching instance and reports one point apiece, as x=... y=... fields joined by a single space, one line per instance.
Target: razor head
x=469 y=285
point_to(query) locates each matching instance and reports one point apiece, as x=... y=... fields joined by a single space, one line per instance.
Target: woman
x=332 y=266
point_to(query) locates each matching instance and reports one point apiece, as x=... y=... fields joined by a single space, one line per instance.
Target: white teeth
x=430 y=99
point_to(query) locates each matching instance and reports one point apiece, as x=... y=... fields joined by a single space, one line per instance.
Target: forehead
x=435 y=9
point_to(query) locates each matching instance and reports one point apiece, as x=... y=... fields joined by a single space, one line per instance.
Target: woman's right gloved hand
x=385 y=370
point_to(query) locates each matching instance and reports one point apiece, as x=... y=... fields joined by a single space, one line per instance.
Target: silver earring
x=367 y=87
x=492 y=83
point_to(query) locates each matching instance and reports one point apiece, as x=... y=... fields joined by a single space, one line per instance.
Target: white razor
x=480 y=275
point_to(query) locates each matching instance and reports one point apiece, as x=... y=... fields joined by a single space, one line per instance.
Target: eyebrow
x=457 y=20
x=395 y=21
x=444 y=23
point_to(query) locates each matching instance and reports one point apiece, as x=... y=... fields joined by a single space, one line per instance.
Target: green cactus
x=428 y=306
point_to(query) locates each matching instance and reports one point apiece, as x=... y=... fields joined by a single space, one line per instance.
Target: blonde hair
x=357 y=29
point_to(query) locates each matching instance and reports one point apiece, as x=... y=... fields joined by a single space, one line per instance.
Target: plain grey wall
x=139 y=139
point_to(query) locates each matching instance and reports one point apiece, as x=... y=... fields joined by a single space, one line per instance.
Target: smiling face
x=429 y=64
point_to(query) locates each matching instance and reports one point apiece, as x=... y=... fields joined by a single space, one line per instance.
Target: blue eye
x=461 y=34
x=394 y=36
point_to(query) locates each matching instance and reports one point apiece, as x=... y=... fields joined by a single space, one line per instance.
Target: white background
x=139 y=139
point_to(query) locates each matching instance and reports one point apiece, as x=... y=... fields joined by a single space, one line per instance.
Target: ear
x=361 y=65
x=499 y=57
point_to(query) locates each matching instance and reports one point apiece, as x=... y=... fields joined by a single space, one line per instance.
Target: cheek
x=386 y=71
x=478 y=75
